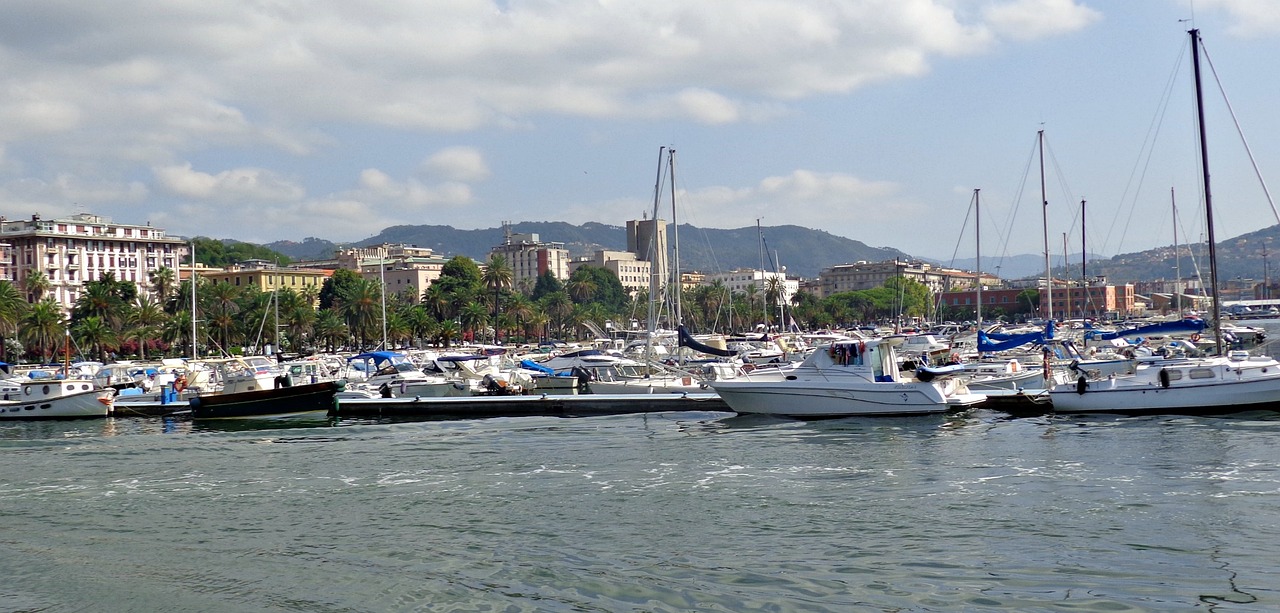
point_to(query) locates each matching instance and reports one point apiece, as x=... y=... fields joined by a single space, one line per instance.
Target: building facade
x=73 y=251
x=631 y=271
x=529 y=258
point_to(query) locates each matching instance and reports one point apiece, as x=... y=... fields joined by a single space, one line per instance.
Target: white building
x=80 y=249
x=529 y=257
x=738 y=280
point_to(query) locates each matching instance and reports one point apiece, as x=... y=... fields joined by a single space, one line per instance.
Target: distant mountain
x=801 y=251
x=805 y=251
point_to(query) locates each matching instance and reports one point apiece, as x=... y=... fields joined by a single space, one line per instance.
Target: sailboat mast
x=1084 y=262
x=193 y=299
x=674 y=281
x=1066 y=277
x=654 y=270
x=977 y=238
x=1044 y=208
x=1208 y=198
x=1177 y=257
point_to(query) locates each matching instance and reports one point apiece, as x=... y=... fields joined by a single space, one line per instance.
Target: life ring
x=1195 y=338
x=748 y=367
x=180 y=383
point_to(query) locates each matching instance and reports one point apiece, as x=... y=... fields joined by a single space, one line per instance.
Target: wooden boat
x=56 y=398
x=312 y=398
x=256 y=386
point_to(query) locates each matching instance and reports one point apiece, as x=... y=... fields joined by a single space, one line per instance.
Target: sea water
x=653 y=512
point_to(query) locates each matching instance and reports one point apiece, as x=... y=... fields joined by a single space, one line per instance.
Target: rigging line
x=960 y=236
x=1013 y=209
x=1240 y=132
x=1148 y=147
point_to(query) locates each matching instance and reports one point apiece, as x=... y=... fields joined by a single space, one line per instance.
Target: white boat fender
x=1082 y=384
x=1164 y=378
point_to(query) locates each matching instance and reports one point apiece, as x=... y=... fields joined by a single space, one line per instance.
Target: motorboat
x=51 y=398
x=846 y=378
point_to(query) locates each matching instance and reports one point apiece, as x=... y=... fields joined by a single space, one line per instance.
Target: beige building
x=631 y=271
x=78 y=249
x=403 y=269
x=267 y=277
x=869 y=275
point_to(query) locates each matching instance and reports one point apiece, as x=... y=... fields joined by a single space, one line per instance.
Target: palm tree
x=176 y=330
x=437 y=301
x=222 y=308
x=43 y=326
x=95 y=332
x=164 y=281
x=37 y=285
x=473 y=317
x=420 y=322
x=446 y=331
x=520 y=309
x=581 y=289
x=497 y=277
x=360 y=305
x=558 y=307
x=144 y=323
x=774 y=288
x=298 y=316
x=12 y=307
x=330 y=330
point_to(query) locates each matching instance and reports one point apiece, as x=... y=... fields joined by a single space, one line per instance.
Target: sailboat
x=1219 y=384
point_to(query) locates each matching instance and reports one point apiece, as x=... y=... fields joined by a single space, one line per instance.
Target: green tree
x=360 y=306
x=43 y=327
x=164 y=281
x=144 y=323
x=12 y=307
x=37 y=285
x=547 y=283
x=95 y=332
x=497 y=277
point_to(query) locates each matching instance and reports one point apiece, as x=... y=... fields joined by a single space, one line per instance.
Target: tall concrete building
x=529 y=257
x=647 y=238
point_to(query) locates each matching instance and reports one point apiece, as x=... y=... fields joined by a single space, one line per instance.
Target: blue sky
x=870 y=119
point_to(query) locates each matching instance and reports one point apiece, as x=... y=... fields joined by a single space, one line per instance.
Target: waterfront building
x=402 y=269
x=81 y=248
x=739 y=280
x=865 y=275
x=529 y=257
x=631 y=271
x=267 y=277
x=1098 y=300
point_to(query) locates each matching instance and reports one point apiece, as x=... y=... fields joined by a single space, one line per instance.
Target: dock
x=534 y=405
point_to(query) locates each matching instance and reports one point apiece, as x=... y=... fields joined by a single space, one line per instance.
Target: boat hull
x=1232 y=389
x=57 y=403
x=282 y=401
x=812 y=399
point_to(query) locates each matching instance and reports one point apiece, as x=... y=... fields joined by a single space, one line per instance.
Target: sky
x=265 y=120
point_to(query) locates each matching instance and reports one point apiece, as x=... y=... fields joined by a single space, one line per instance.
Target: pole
x=1044 y=207
x=1208 y=197
x=977 y=234
x=193 y=299
x=382 y=278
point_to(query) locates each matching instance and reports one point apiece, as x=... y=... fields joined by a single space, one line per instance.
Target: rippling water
x=659 y=512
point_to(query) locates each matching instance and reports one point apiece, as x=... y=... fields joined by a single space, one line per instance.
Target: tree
x=221 y=309
x=473 y=317
x=547 y=283
x=12 y=307
x=37 y=285
x=95 y=332
x=330 y=331
x=144 y=323
x=360 y=306
x=335 y=285
x=446 y=331
x=43 y=327
x=497 y=277
x=164 y=281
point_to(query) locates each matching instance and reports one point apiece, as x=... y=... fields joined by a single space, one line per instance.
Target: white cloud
x=1250 y=18
x=457 y=164
x=1031 y=19
x=251 y=185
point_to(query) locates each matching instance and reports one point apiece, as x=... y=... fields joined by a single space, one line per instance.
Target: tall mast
x=1084 y=262
x=1177 y=257
x=760 y=238
x=674 y=281
x=382 y=278
x=1208 y=198
x=654 y=272
x=1044 y=207
x=1066 y=309
x=977 y=237
x=193 y=299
